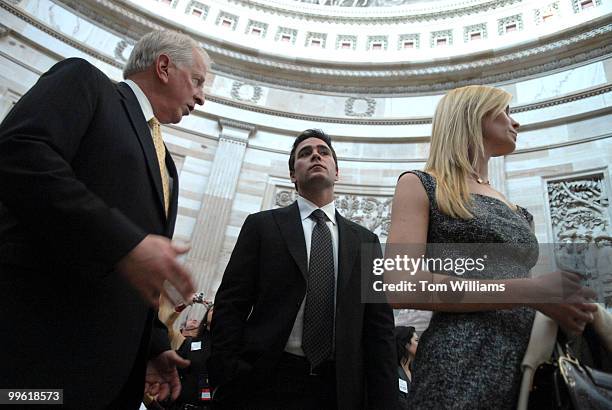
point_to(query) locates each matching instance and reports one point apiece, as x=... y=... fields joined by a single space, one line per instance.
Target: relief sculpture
x=580 y=216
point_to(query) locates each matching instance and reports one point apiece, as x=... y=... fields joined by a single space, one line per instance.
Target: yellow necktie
x=160 y=150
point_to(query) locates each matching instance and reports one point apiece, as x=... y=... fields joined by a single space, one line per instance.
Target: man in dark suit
x=290 y=331
x=88 y=202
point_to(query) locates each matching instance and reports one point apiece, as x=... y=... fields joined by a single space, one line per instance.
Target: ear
x=162 y=67
x=336 y=178
x=292 y=176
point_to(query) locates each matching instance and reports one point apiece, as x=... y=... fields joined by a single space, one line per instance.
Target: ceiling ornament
x=246 y=92
x=436 y=77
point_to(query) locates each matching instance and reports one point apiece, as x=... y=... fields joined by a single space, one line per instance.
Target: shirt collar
x=143 y=101
x=306 y=208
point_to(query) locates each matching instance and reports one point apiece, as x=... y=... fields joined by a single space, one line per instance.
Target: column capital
x=4 y=30
x=237 y=131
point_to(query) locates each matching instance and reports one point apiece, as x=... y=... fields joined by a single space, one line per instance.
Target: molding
x=22 y=64
x=316 y=118
x=433 y=77
x=4 y=30
x=607 y=88
x=424 y=160
x=592 y=92
x=351 y=159
x=561 y=144
x=243 y=126
x=225 y=122
x=556 y=51
x=60 y=36
x=358 y=121
x=367 y=17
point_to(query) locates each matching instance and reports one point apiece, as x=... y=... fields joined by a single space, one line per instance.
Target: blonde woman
x=470 y=355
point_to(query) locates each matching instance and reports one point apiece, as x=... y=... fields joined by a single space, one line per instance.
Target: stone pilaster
x=213 y=217
x=7 y=100
x=497 y=173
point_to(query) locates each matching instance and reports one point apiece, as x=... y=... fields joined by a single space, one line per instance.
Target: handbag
x=564 y=384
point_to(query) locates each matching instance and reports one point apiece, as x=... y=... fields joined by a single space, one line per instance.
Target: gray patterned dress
x=472 y=360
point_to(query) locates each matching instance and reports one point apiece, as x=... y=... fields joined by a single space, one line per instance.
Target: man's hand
x=562 y=297
x=162 y=378
x=152 y=262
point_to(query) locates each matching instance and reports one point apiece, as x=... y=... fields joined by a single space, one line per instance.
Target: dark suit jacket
x=194 y=377
x=260 y=295
x=79 y=188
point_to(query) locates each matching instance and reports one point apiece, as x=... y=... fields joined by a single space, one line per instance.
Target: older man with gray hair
x=88 y=203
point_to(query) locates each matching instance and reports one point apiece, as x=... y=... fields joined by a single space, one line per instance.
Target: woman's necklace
x=482 y=181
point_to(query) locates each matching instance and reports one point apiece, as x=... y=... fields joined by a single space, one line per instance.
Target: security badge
x=403 y=386
x=204 y=387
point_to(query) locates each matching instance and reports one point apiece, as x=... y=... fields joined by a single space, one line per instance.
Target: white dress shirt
x=294 y=343
x=147 y=111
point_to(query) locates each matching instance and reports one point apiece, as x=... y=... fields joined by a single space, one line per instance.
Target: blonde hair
x=457 y=143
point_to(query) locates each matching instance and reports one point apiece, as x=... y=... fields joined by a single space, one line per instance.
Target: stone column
x=7 y=99
x=211 y=223
x=497 y=174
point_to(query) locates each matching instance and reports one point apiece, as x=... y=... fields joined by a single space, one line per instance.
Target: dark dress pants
x=293 y=387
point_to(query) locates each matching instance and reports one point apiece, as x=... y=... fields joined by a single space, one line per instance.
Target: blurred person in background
x=406 y=342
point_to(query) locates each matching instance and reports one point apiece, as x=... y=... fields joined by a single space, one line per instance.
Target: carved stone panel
x=359 y=107
x=372 y=212
x=581 y=221
x=246 y=92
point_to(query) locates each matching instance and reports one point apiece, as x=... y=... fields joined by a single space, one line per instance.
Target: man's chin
x=320 y=181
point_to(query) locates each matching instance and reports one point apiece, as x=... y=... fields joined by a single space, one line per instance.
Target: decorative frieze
x=372 y=212
x=412 y=15
x=135 y=23
x=395 y=121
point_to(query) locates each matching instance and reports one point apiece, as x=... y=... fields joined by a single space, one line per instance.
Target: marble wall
x=232 y=159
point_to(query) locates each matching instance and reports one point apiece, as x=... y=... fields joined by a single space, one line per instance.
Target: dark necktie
x=317 y=337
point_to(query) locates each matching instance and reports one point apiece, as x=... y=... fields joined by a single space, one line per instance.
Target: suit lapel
x=348 y=248
x=143 y=132
x=290 y=225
